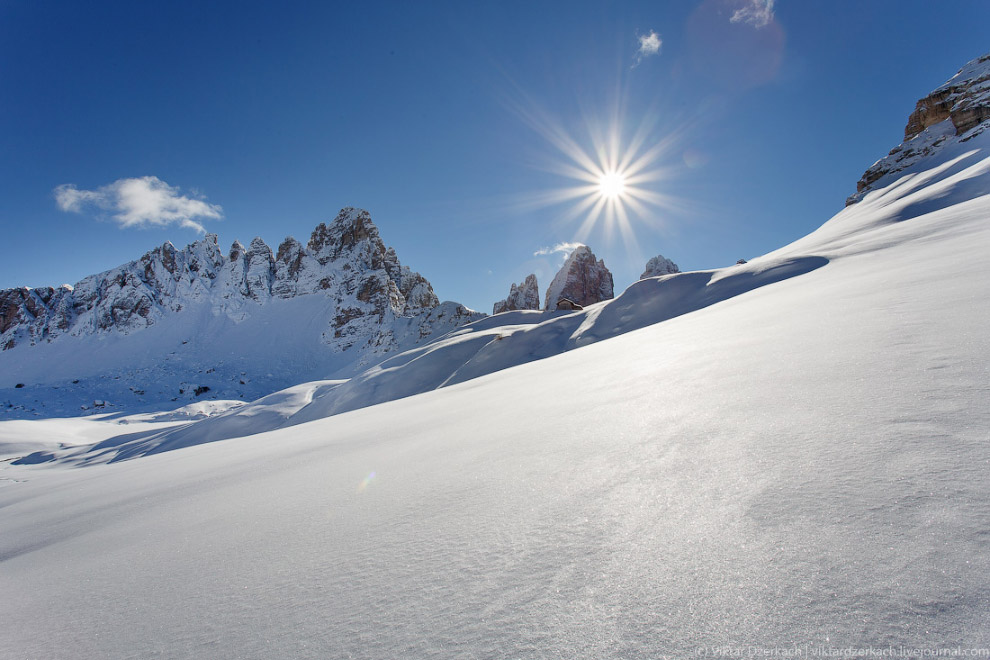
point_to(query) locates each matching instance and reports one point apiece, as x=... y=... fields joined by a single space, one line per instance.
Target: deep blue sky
x=418 y=112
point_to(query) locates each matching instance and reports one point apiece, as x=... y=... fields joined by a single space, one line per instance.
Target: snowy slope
x=510 y=339
x=805 y=463
x=801 y=457
x=818 y=475
x=474 y=350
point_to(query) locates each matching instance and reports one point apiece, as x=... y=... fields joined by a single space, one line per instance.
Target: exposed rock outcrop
x=521 y=296
x=582 y=279
x=659 y=265
x=954 y=112
x=965 y=99
x=374 y=302
x=36 y=313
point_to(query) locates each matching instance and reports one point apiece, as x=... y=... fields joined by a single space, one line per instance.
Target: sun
x=611 y=185
x=615 y=176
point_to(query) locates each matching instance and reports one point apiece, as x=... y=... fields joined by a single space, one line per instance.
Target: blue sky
x=444 y=120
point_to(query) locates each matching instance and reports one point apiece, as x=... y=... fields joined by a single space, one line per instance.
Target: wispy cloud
x=757 y=13
x=649 y=45
x=145 y=201
x=564 y=248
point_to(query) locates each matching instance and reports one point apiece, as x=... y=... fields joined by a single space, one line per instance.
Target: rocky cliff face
x=345 y=262
x=581 y=279
x=34 y=313
x=659 y=265
x=954 y=112
x=521 y=296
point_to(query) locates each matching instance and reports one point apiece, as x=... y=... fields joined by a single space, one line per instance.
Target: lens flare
x=365 y=482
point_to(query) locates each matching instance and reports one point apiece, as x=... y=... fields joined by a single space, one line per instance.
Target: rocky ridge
x=659 y=265
x=345 y=262
x=582 y=279
x=525 y=295
x=956 y=111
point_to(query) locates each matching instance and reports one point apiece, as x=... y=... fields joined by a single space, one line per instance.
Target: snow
x=46 y=438
x=974 y=76
x=154 y=331
x=789 y=452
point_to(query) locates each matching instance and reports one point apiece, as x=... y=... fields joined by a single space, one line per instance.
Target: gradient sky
x=445 y=121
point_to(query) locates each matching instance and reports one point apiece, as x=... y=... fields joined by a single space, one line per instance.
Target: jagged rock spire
x=522 y=296
x=582 y=279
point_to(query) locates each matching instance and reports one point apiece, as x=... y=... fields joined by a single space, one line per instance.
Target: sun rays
x=614 y=176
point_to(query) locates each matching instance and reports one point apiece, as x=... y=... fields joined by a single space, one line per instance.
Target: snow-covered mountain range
x=241 y=324
x=789 y=453
x=346 y=263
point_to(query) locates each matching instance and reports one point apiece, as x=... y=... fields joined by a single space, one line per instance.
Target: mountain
x=796 y=461
x=948 y=117
x=521 y=296
x=165 y=325
x=659 y=265
x=581 y=279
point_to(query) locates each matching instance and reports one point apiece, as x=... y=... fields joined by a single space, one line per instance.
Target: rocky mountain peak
x=582 y=279
x=367 y=289
x=964 y=99
x=288 y=250
x=352 y=231
x=659 y=265
x=521 y=296
x=956 y=111
x=237 y=250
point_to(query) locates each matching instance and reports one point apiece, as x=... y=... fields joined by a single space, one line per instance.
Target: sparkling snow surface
x=805 y=462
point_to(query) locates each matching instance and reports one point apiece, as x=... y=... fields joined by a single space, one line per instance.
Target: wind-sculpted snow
x=266 y=413
x=475 y=350
x=478 y=351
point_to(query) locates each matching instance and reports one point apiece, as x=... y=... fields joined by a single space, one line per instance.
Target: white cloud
x=565 y=248
x=649 y=45
x=757 y=13
x=141 y=202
